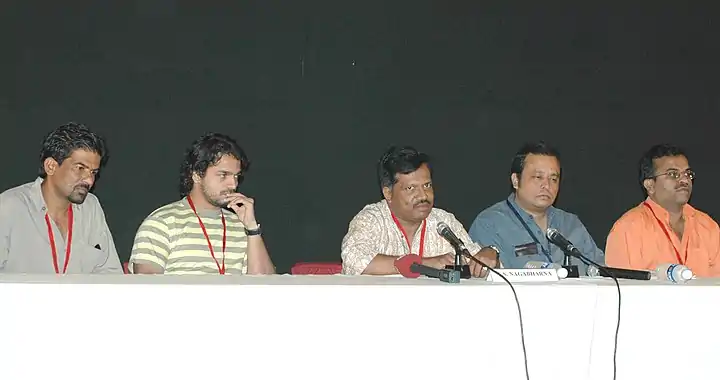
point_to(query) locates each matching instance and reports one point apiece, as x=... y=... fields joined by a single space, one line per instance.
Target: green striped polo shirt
x=171 y=237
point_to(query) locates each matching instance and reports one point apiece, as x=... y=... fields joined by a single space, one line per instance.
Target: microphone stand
x=464 y=269
x=573 y=270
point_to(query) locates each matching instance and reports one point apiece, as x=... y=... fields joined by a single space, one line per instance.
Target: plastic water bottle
x=562 y=272
x=593 y=271
x=676 y=273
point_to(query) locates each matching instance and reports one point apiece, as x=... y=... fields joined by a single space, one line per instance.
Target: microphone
x=599 y=270
x=444 y=230
x=410 y=266
x=561 y=271
x=444 y=275
x=556 y=238
x=630 y=274
x=570 y=250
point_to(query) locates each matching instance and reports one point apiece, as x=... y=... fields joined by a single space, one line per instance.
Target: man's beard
x=79 y=194
x=218 y=199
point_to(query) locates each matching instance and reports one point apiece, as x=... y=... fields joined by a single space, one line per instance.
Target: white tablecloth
x=331 y=327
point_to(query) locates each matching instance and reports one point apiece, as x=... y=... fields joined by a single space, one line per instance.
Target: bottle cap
x=686 y=274
x=562 y=272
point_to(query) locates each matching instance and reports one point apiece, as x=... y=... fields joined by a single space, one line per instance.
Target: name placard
x=525 y=275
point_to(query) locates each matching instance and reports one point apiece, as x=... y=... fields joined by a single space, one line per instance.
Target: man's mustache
x=421 y=202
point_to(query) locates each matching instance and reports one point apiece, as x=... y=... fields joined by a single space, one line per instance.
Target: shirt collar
x=38 y=201
x=664 y=215
x=511 y=198
x=203 y=213
x=36 y=196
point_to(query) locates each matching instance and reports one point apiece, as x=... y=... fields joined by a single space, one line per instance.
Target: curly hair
x=205 y=152
x=64 y=140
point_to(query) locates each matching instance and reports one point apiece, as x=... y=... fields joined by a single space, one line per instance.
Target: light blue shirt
x=499 y=226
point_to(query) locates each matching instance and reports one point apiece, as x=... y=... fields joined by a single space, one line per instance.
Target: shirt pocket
x=89 y=257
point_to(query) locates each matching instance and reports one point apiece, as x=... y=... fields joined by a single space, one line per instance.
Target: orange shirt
x=639 y=241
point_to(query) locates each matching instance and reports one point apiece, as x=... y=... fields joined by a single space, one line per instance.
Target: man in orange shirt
x=665 y=229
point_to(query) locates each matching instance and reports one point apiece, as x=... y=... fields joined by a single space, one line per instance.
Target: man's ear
x=196 y=177
x=387 y=193
x=515 y=180
x=50 y=166
x=649 y=186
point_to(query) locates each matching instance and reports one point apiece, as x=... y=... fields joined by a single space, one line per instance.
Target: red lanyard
x=202 y=226
x=422 y=235
x=667 y=234
x=52 y=241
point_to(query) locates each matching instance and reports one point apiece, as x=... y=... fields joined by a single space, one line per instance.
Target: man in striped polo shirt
x=198 y=234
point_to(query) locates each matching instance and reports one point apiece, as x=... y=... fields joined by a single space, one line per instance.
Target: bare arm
x=385 y=265
x=258 y=258
x=381 y=265
x=486 y=255
x=147 y=268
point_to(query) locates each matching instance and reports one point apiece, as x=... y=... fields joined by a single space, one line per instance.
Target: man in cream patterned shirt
x=405 y=222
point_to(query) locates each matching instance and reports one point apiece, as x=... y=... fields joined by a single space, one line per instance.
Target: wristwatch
x=494 y=248
x=497 y=255
x=253 y=232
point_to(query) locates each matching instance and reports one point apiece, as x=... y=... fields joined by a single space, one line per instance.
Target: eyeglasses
x=676 y=175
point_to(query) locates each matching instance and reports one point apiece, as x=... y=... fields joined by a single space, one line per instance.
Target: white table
x=143 y=327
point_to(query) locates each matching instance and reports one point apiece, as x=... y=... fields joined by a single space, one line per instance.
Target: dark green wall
x=315 y=91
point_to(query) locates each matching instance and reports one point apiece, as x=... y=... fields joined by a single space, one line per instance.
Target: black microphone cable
x=608 y=273
x=553 y=236
x=517 y=303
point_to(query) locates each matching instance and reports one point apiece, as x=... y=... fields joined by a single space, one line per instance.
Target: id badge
x=528 y=249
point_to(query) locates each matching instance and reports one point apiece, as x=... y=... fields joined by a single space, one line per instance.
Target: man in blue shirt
x=517 y=225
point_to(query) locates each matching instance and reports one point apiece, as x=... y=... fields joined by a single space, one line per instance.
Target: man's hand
x=439 y=262
x=487 y=256
x=244 y=207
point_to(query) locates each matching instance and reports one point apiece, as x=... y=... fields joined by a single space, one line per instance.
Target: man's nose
x=233 y=183
x=545 y=183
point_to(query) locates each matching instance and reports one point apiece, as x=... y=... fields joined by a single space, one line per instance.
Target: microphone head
x=404 y=263
x=442 y=227
x=550 y=233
